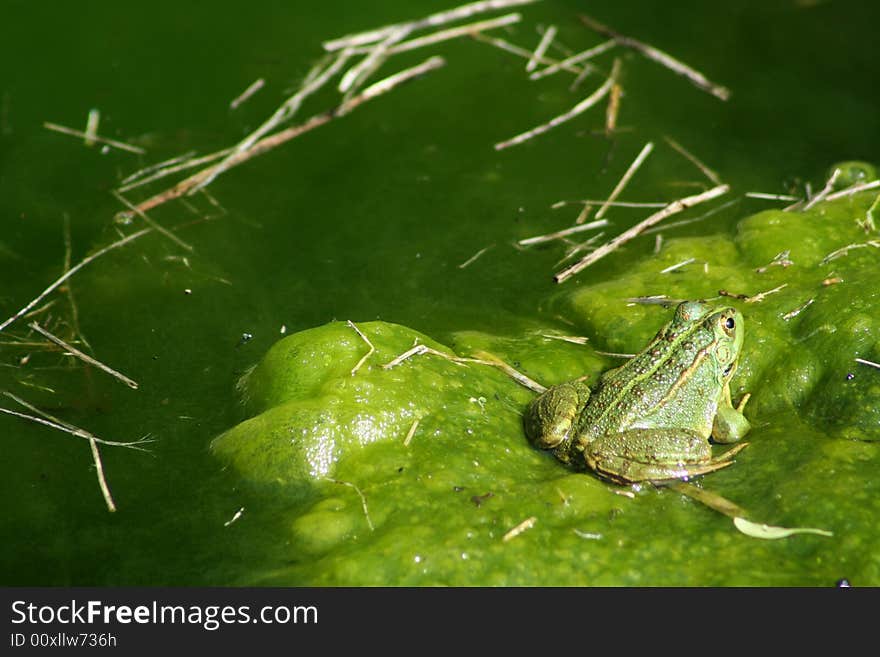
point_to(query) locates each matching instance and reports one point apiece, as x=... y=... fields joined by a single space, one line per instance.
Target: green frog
x=651 y=418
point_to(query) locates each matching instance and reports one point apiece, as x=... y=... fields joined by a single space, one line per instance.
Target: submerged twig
x=474 y=257
x=528 y=523
x=150 y=222
x=546 y=39
x=245 y=95
x=363 y=500
x=83 y=356
x=672 y=208
x=693 y=159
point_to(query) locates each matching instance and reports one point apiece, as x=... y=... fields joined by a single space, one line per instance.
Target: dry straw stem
x=613 y=109
x=565 y=232
x=844 y=250
x=694 y=76
x=569 y=62
x=434 y=20
x=245 y=95
x=526 y=524
x=630 y=172
x=854 y=189
x=363 y=500
x=487 y=359
x=92 y=127
x=82 y=356
x=169 y=167
x=541 y=50
x=445 y=35
x=284 y=112
x=265 y=144
x=673 y=208
x=772 y=197
x=693 y=159
x=826 y=190
x=581 y=107
x=867 y=362
x=474 y=257
x=501 y=44
x=70 y=272
x=411 y=432
x=151 y=223
x=369 y=344
x=103 y=140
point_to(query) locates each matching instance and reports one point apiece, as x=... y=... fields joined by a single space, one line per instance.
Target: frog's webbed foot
x=654 y=455
x=550 y=421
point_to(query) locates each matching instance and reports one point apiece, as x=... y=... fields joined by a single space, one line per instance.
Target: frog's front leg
x=730 y=424
x=654 y=455
x=550 y=421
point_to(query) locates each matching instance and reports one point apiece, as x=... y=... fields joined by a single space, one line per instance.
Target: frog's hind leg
x=654 y=455
x=550 y=421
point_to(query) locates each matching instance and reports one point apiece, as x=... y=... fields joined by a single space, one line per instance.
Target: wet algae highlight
x=420 y=473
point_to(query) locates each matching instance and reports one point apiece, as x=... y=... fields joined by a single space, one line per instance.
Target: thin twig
x=446 y=35
x=363 y=500
x=245 y=95
x=772 y=197
x=83 y=356
x=853 y=189
x=867 y=362
x=70 y=272
x=74 y=309
x=797 y=311
x=573 y=60
x=581 y=107
x=284 y=112
x=411 y=432
x=102 y=479
x=168 y=168
x=565 y=232
x=673 y=208
x=694 y=76
x=616 y=204
x=110 y=142
x=66 y=427
x=678 y=266
x=434 y=20
x=543 y=44
x=613 y=109
x=844 y=250
x=522 y=52
x=92 y=122
x=150 y=222
x=369 y=344
x=474 y=257
x=528 y=523
x=693 y=159
x=636 y=163
x=265 y=144
x=826 y=190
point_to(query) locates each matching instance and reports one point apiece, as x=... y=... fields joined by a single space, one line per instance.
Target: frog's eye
x=728 y=324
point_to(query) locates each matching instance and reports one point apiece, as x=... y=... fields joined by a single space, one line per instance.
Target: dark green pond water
x=369 y=217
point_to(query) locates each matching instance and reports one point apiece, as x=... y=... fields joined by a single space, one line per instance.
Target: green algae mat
x=330 y=354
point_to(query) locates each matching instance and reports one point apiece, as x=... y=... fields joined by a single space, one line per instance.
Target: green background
x=365 y=218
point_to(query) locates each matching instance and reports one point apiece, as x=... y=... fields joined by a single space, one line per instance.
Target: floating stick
x=82 y=356
x=110 y=142
x=92 y=122
x=528 y=523
x=640 y=158
x=153 y=224
x=369 y=344
x=709 y=173
x=574 y=59
x=772 y=197
x=548 y=36
x=434 y=20
x=694 y=76
x=853 y=189
x=673 y=208
x=522 y=52
x=265 y=144
x=565 y=232
x=829 y=185
x=581 y=107
x=245 y=95
x=70 y=272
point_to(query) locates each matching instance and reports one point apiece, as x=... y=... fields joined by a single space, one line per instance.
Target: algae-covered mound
x=420 y=473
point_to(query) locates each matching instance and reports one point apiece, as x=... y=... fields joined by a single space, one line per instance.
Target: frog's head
x=726 y=325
